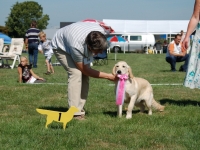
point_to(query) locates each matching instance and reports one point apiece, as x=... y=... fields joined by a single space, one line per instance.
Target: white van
x=135 y=42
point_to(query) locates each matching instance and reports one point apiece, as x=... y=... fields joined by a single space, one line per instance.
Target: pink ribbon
x=121 y=89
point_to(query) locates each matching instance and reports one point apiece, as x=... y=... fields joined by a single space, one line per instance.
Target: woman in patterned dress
x=192 y=79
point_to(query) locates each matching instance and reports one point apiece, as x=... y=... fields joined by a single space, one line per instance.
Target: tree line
x=21 y=16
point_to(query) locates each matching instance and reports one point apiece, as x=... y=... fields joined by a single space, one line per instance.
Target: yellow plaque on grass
x=63 y=117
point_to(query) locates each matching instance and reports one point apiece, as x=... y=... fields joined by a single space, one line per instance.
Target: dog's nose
x=119 y=72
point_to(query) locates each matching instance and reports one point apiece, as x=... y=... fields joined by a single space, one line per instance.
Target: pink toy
x=121 y=89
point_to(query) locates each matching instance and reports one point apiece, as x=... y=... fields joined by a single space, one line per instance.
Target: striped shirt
x=32 y=35
x=71 y=39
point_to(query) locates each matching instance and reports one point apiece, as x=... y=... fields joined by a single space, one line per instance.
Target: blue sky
x=76 y=10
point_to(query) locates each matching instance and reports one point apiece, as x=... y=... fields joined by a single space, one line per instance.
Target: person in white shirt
x=182 y=35
x=176 y=53
x=46 y=48
x=74 y=46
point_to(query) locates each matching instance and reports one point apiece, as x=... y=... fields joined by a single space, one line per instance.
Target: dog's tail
x=157 y=106
x=42 y=111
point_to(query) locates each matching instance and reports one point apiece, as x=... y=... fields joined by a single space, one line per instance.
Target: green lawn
x=178 y=127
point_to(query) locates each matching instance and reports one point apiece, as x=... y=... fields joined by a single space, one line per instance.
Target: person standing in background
x=46 y=48
x=165 y=45
x=182 y=35
x=31 y=42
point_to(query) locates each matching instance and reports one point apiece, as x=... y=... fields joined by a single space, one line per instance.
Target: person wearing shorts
x=46 y=48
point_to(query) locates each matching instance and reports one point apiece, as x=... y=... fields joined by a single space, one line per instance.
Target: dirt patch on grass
x=12 y=106
x=3 y=114
x=105 y=145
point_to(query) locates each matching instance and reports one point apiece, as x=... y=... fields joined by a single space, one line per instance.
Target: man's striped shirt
x=71 y=39
x=32 y=35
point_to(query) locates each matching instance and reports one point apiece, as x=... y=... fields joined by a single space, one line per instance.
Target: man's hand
x=112 y=77
x=182 y=54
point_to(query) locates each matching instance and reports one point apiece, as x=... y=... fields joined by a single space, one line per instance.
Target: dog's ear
x=113 y=70
x=130 y=72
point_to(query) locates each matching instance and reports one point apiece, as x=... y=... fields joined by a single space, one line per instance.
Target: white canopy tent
x=148 y=26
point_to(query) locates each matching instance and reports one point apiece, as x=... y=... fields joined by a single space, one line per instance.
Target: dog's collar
x=122 y=76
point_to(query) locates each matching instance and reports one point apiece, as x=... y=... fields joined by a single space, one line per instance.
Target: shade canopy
x=7 y=39
x=148 y=26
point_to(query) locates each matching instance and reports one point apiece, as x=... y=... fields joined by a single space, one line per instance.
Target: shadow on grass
x=54 y=127
x=60 y=109
x=180 y=102
x=114 y=113
x=166 y=70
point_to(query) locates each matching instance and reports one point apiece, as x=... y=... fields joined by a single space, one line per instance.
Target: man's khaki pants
x=78 y=83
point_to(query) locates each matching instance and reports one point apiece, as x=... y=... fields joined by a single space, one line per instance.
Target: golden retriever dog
x=63 y=117
x=138 y=92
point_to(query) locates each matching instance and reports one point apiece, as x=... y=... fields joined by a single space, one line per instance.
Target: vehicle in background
x=136 y=42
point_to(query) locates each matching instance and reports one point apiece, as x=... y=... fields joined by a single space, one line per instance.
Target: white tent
x=148 y=26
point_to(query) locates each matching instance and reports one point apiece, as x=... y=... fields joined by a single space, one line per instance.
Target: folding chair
x=160 y=51
x=158 y=48
x=15 y=51
x=3 y=47
x=101 y=58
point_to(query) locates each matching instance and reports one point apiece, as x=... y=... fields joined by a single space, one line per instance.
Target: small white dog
x=138 y=92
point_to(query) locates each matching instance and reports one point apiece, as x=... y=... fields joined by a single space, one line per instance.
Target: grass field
x=177 y=128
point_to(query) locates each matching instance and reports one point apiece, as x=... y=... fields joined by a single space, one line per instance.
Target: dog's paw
x=161 y=108
x=119 y=116
x=150 y=112
x=128 y=116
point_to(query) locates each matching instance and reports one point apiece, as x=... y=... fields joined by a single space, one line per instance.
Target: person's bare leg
x=51 y=68
x=48 y=65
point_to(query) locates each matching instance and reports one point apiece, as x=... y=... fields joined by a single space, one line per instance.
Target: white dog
x=138 y=92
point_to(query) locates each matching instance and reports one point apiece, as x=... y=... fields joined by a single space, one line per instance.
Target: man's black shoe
x=181 y=69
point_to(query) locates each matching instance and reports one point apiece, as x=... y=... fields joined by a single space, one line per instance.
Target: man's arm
x=86 y=70
x=171 y=51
